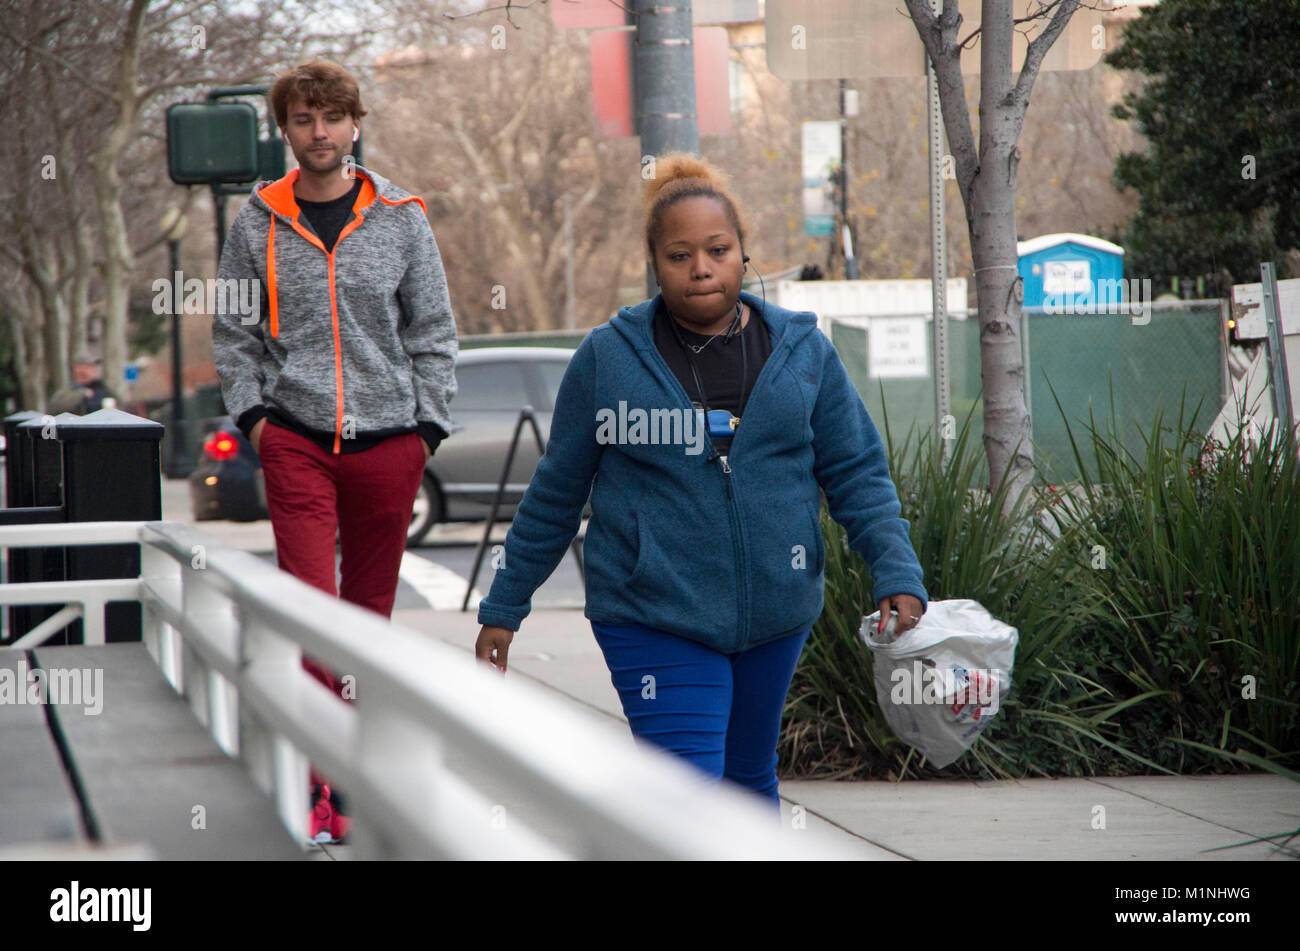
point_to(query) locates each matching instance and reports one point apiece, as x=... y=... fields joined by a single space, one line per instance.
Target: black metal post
x=178 y=463
x=219 y=204
x=525 y=415
x=112 y=473
x=20 y=563
x=18 y=463
x=38 y=487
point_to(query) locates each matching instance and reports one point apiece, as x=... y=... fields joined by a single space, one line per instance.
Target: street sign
x=1248 y=309
x=210 y=143
x=896 y=348
x=850 y=39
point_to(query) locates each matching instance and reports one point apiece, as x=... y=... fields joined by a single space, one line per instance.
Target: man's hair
x=320 y=85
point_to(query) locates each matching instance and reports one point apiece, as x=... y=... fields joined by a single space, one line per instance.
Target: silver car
x=493 y=384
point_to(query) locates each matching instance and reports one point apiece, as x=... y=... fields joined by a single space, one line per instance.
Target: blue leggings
x=720 y=712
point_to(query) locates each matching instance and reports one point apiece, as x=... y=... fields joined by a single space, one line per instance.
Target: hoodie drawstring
x=270 y=278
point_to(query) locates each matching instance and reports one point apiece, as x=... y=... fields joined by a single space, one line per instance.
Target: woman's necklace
x=696 y=350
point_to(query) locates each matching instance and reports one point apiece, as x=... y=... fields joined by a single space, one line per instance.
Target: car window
x=552 y=372
x=490 y=386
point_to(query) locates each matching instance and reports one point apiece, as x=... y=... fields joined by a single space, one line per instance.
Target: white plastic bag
x=940 y=683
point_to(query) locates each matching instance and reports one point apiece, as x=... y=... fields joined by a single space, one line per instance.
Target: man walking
x=342 y=381
x=87 y=392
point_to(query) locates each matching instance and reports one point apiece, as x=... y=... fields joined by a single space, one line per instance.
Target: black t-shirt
x=719 y=364
x=327 y=218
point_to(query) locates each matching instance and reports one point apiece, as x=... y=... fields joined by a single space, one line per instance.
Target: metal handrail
x=229 y=631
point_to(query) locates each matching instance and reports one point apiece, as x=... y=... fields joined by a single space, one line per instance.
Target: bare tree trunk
x=118 y=260
x=992 y=221
x=987 y=179
x=15 y=314
x=29 y=349
x=75 y=269
x=55 y=311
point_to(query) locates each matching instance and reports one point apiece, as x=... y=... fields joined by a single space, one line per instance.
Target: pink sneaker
x=322 y=819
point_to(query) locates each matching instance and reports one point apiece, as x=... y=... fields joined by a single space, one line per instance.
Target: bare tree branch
x=939 y=34
x=507 y=6
x=1038 y=49
x=71 y=68
x=1043 y=9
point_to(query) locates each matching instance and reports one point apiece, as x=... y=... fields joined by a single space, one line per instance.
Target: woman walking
x=702 y=424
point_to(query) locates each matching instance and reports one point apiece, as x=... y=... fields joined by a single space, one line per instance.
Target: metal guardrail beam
x=229 y=633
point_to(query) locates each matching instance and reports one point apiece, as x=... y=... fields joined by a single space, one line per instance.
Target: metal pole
x=850 y=265
x=1278 y=374
x=938 y=251
x=1024 y=356
x=219 y=204
x=178 y=465
x=570 y=304
x=663 y=72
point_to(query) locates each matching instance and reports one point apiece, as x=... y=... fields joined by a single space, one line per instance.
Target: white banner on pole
x=821 y=157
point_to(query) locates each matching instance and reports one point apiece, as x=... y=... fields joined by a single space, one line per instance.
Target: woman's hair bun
x=675 y=166
x=681 y=175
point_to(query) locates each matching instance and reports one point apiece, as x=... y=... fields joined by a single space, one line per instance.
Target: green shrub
x=1203 y=547
x=1131 y=667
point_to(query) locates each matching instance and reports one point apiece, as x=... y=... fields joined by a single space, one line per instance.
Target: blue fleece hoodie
x=730 y=559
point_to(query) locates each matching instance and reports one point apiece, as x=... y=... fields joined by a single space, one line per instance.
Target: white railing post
x=276 y=766
x=223 y=712
x=292 y=773
x=92 y=622
x=162 y=574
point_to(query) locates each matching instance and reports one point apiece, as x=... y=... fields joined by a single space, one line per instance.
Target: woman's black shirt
x=718 y=364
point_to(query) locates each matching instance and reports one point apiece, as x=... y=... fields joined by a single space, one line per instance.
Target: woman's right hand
x=255 y=434
x=493 y=645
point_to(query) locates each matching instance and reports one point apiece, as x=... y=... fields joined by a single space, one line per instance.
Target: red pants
x=366 y=497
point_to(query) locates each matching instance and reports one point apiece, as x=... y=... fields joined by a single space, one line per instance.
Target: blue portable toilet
x=1071 y=273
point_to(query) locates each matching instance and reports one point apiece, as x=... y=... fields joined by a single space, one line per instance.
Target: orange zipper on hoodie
x=280 y=198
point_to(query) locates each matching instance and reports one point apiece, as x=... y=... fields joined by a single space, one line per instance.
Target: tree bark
x=991 y=218
x=118 y=259
x=986 y=177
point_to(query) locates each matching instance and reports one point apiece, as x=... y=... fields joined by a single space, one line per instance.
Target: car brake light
x=221 y=445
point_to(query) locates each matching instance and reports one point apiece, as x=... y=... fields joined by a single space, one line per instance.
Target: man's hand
x=493 y=645
x=255 y=434
x=909 y=611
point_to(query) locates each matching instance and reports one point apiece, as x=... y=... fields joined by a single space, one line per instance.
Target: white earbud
x=356 y=134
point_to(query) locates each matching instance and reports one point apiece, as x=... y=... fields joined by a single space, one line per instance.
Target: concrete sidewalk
x=1145 y=817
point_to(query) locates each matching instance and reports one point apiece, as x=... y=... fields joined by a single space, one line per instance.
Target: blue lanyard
x=699 y=386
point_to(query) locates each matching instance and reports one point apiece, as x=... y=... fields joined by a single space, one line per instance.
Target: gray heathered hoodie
x=357 y=342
